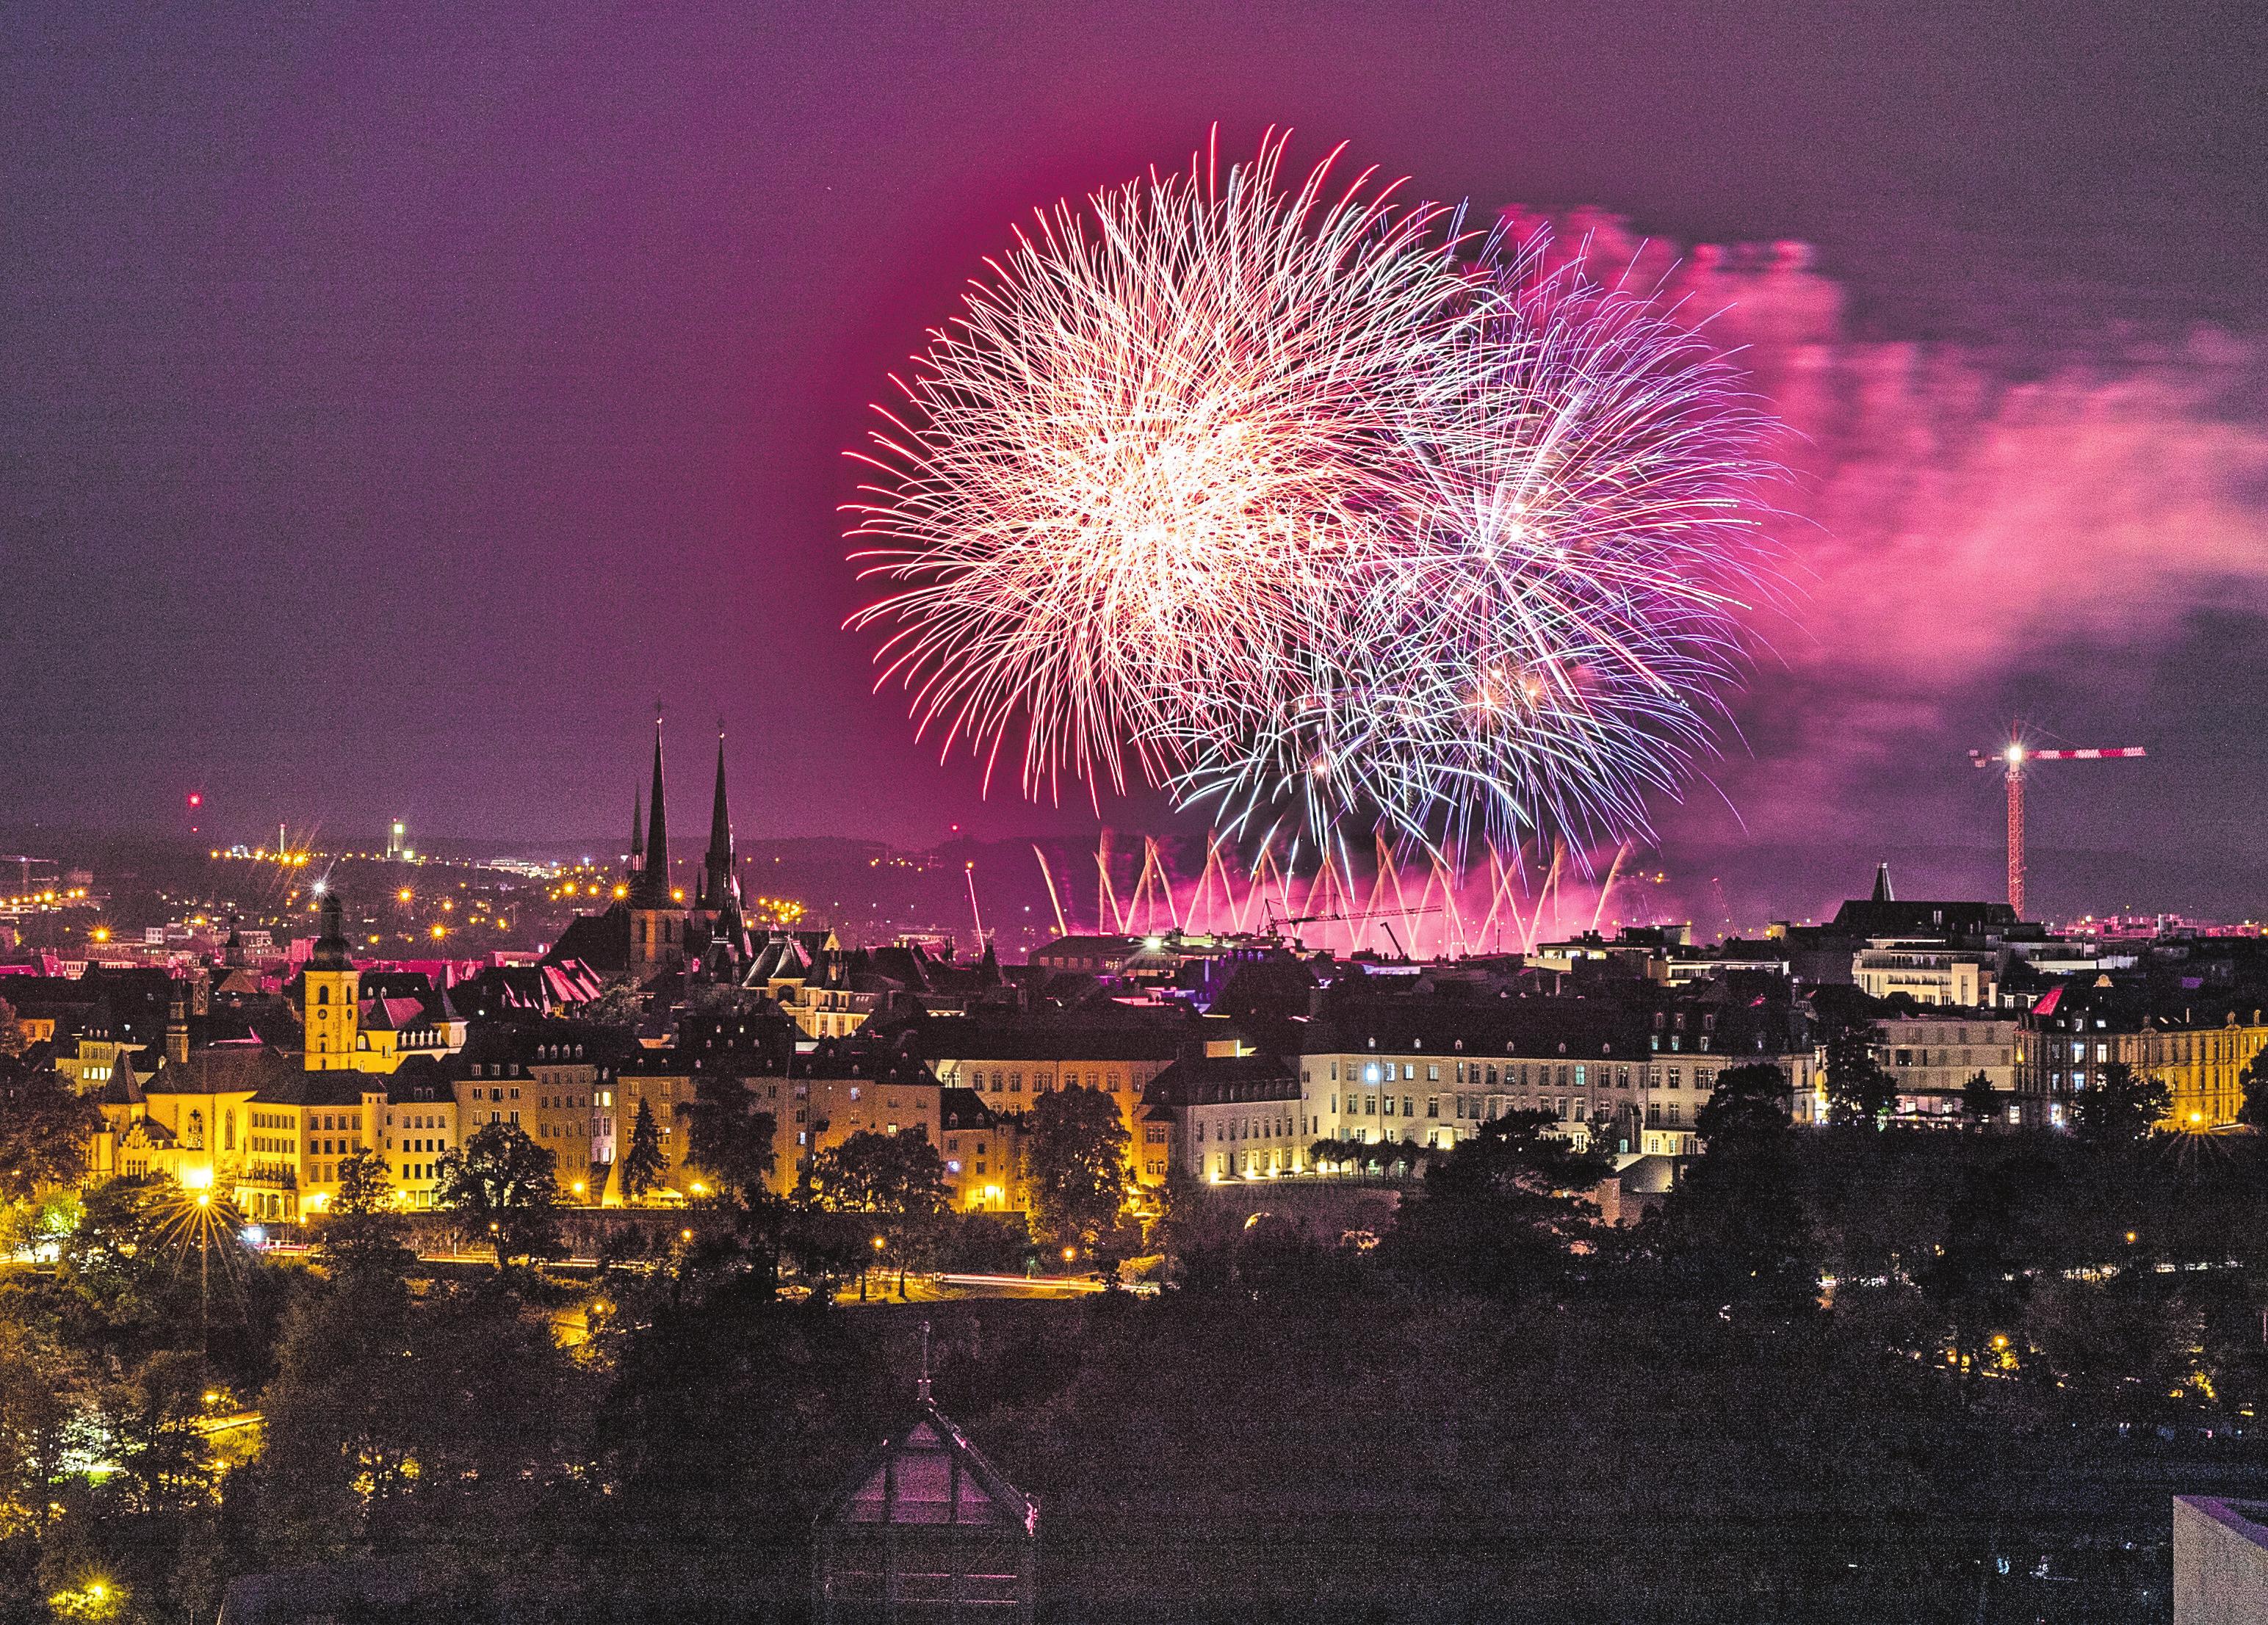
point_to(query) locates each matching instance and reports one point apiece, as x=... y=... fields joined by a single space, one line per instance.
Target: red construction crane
x=2014 y=758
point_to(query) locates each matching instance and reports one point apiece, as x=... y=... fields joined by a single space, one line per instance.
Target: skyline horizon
x=383 y=447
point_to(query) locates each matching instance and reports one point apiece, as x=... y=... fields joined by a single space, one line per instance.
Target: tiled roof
x=1209 y=1080
x=232 y=1068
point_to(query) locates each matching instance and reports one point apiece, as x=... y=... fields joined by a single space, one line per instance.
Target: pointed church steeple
x=1882 y=893
x=652 y=888
x=718 y=887
x=638 y=837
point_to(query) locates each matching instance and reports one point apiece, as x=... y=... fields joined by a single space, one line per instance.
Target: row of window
x=1524 y=1075
x=1246 y=1129
x=1041 y=1082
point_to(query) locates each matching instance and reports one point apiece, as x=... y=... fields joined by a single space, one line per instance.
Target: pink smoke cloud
x=1948 y=524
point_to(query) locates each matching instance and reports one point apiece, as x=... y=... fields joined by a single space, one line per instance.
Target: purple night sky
x=394 y=404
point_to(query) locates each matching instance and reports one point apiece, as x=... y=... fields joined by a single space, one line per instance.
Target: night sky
x=395 y=404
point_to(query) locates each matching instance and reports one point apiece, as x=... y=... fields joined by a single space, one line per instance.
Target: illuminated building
x=1931 y=1058
x=982 y=1154
x=1227 y=1117
x=331 y=1004
x=1927 y=971
x=557 y=1081
x=1008 y=1064
x=368 y=1021
x=841 y=1089
x=1636 y=1063
x=421 y=1121
x=2198 y=1049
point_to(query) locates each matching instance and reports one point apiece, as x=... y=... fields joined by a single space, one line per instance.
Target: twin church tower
x=667 y=935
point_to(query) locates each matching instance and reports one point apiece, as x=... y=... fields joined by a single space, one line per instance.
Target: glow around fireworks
x=1288 y=497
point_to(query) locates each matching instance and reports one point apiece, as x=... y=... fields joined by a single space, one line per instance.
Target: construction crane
x=1386 y=916
x=2016 y=759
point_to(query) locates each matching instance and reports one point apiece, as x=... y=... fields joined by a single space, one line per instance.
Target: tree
x=2121 y=1107
x=898 y=1180
x=1982 y=1271
x=1858 y=1090
x=1499 y=1215
x=1076 y=1170
x=1351 y=1155
x=619 y=1004
x=12 y=1042
x=123 y=1288
x=42 y=1386
x=391 y=1420
x=1735 y=1226
x=642 y=1165
x=2254 y=1112
x=503 y=1180
x=727 y=1138
x=360 y=1228
x=1977 y=1101
x=45 y=1129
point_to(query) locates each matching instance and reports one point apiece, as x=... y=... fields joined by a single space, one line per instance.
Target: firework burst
x=1306 y=503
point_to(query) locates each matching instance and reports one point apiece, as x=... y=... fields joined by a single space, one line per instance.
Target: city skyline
x=393 y=496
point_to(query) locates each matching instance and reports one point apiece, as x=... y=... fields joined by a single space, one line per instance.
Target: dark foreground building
x=927 y=1530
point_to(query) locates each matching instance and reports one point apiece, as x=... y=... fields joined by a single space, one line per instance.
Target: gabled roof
x=232 y=1068
x=962 y=1110
x=1096 y=1036
x=601 y=941
x=1213 y=1080
x=393 y=1015
x=331 y=1088
x=419 y=1073
x=1937 y=918
x=931 y=1475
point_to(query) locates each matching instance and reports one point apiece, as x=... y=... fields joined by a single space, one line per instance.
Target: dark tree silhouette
x=502 y=1180
x=2121 y=1107
x=1979 y=1103
x=1735 y=1227
x=2254 y=1112
x=1076 y=1146
x=1499 y=1215
x=44 y=1132
x=1858 y=1090
x=642 y=1165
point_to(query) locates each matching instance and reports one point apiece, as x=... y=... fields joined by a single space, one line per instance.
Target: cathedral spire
x=717 y=880
x=653 y=878
x=637 y=834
